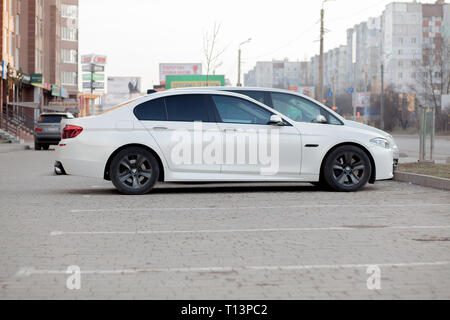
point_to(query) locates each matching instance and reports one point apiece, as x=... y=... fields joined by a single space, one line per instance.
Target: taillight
x=70 y=132
x=38 y=129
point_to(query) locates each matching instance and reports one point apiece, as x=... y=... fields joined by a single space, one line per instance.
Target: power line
x=298 y=37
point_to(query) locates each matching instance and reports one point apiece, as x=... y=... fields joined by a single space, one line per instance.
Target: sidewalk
x=10 y=147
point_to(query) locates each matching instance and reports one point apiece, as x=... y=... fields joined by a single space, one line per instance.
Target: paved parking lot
x=253 y=241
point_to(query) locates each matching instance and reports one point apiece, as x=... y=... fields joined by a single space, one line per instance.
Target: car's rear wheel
x=46 y=147
x=134 y=171
x=348 y=168
x=37 y=146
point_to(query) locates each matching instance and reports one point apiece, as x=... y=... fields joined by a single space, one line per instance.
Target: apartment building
x=277 y=74
x=10 y=45
x=40 y=44
x=69 y=47
x=402 y=43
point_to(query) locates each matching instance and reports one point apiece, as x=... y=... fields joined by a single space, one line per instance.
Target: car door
x=252 y=145
x=315 y=136
x=178 y=124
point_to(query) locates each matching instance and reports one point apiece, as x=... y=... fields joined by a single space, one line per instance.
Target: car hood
x=358 y=125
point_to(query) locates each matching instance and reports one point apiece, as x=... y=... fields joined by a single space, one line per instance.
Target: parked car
x=168 y=136
x=302 y=108
x=47 y=129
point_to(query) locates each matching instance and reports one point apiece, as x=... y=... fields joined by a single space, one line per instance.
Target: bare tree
x=210 y=51
x=432 y=77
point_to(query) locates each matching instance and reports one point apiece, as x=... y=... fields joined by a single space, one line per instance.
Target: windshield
x=51 y=118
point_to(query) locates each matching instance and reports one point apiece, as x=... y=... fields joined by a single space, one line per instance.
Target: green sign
x=93 y=77
x=194 y=81
x=56 y=91
x=36 y=78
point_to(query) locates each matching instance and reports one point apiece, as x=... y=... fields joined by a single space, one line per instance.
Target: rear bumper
x=47 y=140
x=82 y=160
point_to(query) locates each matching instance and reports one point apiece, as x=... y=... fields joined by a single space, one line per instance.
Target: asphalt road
x=409 y=147
x=257 y=241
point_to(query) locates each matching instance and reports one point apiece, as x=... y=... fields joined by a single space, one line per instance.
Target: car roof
x=265 y=89
x=168 y=93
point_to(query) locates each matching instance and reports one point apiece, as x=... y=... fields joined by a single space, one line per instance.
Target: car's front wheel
x=134 y=171
x=348 y=168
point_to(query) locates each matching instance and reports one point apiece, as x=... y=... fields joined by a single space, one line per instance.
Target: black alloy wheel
x=348 y=168
x=134 y=171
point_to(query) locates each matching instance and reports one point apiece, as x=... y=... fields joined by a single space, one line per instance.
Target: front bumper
x=384 y=162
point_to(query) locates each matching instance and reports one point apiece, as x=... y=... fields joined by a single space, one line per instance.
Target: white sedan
x=214 y=136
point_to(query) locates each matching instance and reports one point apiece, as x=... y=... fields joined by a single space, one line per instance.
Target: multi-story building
x=39 y=48
x=335 y=70
x=363 y=55
x=69 y=46
x=9 y=52
x=49 y=49
x=277 y=74
x=402 y=43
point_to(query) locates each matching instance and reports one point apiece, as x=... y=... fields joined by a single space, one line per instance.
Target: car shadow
x=205 y=188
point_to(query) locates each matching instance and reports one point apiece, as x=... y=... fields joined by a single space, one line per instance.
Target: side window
x=152 y=110
x=257 y=95
x=236 y=110
x=333 y=120
x=187 y=108
x=300 y=109
x=296 y=108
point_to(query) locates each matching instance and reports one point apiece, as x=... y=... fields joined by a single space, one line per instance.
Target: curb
x=423 y=180
x=10 y=147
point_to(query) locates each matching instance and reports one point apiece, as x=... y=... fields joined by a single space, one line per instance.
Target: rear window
x=51 y=118
x=153 y=110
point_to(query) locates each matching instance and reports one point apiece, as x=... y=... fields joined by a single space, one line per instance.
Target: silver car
x=47 y=130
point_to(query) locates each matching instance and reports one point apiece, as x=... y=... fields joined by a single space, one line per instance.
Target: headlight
x=381 y=142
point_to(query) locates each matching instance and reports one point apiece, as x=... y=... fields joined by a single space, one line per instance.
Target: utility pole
x=423 y=134
x=382 y=98
x=239 y=84
x=334 y=93
x=432 y=131
x=322 y=32
x=239 y=68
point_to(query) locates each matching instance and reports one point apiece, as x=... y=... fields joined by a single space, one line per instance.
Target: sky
x=137 y=35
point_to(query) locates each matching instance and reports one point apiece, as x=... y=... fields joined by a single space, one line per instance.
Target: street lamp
x=239 y=84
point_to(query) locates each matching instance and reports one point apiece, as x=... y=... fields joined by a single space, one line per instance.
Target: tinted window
x=151 y=110
x=51 y=118
x=257 y=95
x=187 y=108
x=236 y=110
x=300 y=109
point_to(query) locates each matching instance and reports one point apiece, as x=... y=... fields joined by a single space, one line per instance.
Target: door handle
x=160 y=128
x=229 y=130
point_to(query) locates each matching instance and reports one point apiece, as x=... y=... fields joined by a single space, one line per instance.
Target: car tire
x=134 y=171
x=37 y=147
x=347 y=169
x=46 y=147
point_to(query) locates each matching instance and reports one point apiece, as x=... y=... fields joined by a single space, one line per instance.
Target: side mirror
x=321 y=119
x=276 y=120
